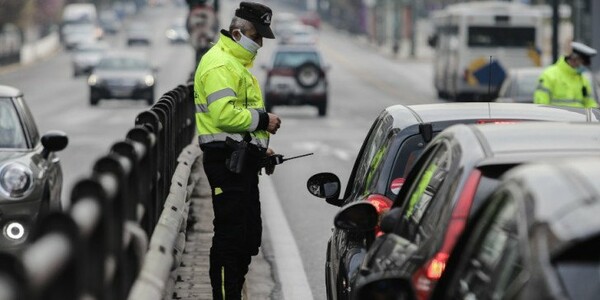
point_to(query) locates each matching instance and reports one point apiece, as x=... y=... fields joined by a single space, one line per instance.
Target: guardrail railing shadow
x=124 y=232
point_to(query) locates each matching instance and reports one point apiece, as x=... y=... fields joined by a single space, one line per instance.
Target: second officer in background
x=563 y=84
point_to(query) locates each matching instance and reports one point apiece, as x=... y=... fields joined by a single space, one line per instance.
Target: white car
x=86 y=56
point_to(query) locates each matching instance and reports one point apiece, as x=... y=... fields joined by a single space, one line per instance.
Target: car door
x=490 y=263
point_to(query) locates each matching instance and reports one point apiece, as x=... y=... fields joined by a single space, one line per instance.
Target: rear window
x=579 y=270
x=490 y=179
x=484 y=36
x=293 y=59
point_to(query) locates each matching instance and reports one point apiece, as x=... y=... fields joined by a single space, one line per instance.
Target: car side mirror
x=358 y=216
x=325 y=185
x=54 y=141
x=390 y=219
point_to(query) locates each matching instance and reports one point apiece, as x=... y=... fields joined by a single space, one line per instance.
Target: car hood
x=6 y=155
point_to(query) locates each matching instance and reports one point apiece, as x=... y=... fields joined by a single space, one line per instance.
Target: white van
x=477 y=42
x=80 y=13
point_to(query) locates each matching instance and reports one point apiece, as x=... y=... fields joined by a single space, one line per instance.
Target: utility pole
x=555 y=21
x=595 y=12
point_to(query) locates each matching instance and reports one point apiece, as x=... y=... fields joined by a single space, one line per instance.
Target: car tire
x=269 y=108
x=94 y=101
x=322 y=108
x=308 y=75
x=150 y=100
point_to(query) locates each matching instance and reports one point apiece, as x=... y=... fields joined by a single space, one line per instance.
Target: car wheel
x=307 y=75
x=322 y=109
x=150 y=100
x=269 y=107
x=94 y=101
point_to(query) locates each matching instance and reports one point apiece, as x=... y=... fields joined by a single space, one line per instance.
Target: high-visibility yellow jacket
x=228 y=98
x=560 y=84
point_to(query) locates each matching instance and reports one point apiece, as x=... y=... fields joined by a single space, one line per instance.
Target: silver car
x=86 y=56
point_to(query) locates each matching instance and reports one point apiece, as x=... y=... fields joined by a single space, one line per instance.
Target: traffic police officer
x=234 y=129
x=562 y=83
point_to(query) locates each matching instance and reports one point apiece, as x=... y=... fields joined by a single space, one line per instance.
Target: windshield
x=122 y=63
x=293 y=59
x=487 y=36
x=11 y=132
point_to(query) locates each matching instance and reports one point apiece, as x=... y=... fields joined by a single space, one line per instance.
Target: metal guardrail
x=99 y=248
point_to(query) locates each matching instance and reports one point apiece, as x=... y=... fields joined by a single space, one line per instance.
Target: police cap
x=257 y=14
x=583 y=51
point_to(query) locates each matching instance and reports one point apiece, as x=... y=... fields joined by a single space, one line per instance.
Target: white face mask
x=247 y=43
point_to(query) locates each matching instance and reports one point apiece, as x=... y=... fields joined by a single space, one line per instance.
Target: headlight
x=16 y=180
x=92 y=80
x=149 y=80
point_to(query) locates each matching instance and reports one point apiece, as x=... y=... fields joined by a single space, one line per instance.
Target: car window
x=526 y=85
x=407 y=155
x=29 y=124
x=579 y=269
x=424 y=189
x=495 y=264
x=293 y=59
x=122 y=63
x=11 y=131
x=376 y=147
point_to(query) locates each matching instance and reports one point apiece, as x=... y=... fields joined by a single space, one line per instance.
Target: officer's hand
x=274 y=123
x=270 y=169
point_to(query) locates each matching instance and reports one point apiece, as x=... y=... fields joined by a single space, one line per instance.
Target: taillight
x=426 y=277
x=496 y=121
x=382 y=204
x=282 y=72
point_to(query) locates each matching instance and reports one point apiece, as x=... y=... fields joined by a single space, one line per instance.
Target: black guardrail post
x=89 y=208
x=116 y=169
x=147 y=173
x=52 y=260
x=151 y=120
x=165 y=157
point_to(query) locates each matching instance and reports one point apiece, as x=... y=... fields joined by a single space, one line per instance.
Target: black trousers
x=237 y=223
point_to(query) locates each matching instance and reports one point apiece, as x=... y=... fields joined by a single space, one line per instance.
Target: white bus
x=477 y=42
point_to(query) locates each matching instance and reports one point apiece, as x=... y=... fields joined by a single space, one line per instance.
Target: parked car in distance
x=536 y=237
x=138 y=33
x=299 y=34
x=109 y=21
x=123 y=75
x=520 y=84
x=311 y=18
x=177 y=33
x=296 y=75
x=394 y=142
x=457 y=171
x=85 y=57
x=76 y=34
x=30 y=172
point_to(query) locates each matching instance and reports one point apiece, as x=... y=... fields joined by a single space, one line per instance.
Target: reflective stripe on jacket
x=228 y=99
x=560 y=84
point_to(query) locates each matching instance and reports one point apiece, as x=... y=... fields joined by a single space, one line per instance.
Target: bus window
x=487 y=36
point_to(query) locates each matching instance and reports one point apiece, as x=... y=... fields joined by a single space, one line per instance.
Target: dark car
x=457 y=171
x=123 y=75
x=536 y=237
x=296 y=75
x=394 y=142
x=30 y=172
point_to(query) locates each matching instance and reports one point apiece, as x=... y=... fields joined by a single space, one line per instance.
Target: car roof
x=9 y=91
x=536 y=137
x=405 y=116
x=298 y=48
x=563 y=200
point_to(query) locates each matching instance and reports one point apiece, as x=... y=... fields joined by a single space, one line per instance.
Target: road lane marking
x=290 y=271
